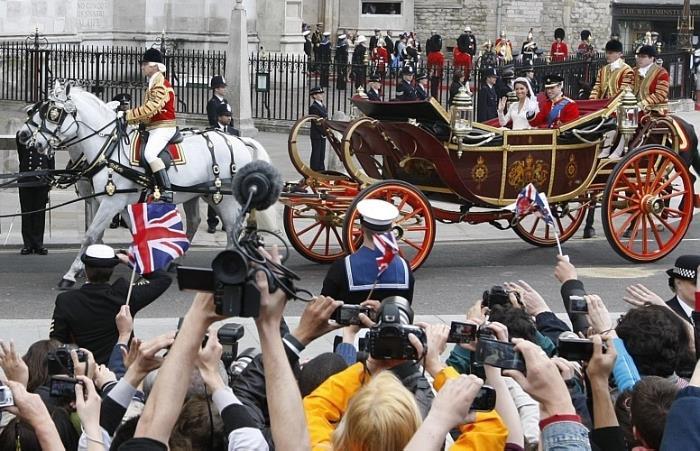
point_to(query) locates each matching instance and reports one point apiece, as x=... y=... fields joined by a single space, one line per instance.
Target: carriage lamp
x=462 y=116
x=628 y=115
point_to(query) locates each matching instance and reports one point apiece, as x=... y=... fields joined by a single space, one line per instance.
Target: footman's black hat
x=152 y=56
x=613 y=45
x=122 y=97
x=686 y=267
x=99 y=256
x=648 y=50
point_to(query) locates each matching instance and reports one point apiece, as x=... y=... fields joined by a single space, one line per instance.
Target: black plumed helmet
x=559 y=33
x=585 y=34
x=613 y=45
x=152 y=56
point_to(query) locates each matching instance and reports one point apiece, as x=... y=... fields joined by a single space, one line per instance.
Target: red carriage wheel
x=414 y=229
x=568 y=217
x=648 y=204
x=314 y=232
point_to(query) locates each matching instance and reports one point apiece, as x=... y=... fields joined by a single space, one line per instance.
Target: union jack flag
x=158 y=236
x=542 y=207
x=387 y=245
x=530 y=200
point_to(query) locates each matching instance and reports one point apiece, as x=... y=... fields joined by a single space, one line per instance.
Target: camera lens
x=229 y=267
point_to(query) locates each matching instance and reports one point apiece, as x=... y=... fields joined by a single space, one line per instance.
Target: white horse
x=87 y=127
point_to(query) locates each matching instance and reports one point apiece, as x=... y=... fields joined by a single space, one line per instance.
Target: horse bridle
x=55 y=113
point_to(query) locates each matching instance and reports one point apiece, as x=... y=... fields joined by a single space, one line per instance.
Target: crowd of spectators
x=630 y=384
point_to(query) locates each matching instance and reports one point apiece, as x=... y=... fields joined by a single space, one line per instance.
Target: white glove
x=120 y=114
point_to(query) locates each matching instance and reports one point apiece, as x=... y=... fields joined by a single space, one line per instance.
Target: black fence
x=28 y=71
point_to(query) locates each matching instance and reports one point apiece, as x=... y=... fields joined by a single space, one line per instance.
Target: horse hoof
x=65 y=284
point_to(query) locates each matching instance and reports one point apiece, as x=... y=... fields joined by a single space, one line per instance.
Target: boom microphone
x=259 y=179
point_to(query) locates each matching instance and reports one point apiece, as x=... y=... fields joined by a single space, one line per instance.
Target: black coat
x=454 y=89
x=86 y=316
x=358 y=55
x=308 y=47
x=405 y=91
x=389 y=45
x=487 y=104
x=373 y=95
x=324 y=52
x=31 y=160
x=373 y=42
x=421 y=93
x=316 y=132
x=675 y=305
x=212 y=107
x=228 y=129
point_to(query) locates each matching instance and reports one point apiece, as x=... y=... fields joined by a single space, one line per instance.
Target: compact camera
x=60 y=362
x=462 y=332
x=576 y=349
x=577 y=304
x=63 y=387
x=497 y=295
x=349 y=314
x=485 y=400
x=389 y=338
x=6 y=399
x=499 y=354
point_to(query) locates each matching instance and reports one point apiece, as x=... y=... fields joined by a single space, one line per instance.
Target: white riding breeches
x=157 y=140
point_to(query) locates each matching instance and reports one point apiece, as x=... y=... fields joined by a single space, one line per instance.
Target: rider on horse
x=158 y=115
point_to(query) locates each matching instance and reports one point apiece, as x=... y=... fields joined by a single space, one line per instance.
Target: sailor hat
x=343 y=36
x=686 y=267
x=326 y=33
x=377 y=215
x=100 y=256
x=306 y=33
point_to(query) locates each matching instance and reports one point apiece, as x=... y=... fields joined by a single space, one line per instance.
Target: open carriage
x=436 y=165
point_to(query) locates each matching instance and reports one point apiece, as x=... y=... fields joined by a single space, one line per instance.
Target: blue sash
x=361 y=268
x=556 y=109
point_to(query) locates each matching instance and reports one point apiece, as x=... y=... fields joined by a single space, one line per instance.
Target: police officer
x=223 y=120
x=405 y=90
x=422 y=87
x=33 y=196
x=487 y=102
x=318 y=136
x=218 y=85
x=357 y=276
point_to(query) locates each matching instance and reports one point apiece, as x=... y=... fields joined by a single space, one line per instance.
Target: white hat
x=342 y=36
x=306 y=32
x=467 y=28
x=326 y=33
x=377 y=215
x=99 y=255
x=360 y=39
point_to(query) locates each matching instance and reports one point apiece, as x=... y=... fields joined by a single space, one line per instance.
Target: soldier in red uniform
x=462 y=60
x=558 y=109
x=380 y=57
x=559 y=51
x=436 y=63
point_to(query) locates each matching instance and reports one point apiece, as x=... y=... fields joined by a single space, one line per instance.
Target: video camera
x=60 y=362
x=388 y=339
x=256 y=185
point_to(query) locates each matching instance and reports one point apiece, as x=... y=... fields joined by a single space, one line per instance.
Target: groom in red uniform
x=558 y=109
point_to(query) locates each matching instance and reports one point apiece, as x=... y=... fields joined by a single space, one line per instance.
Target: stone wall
x=448 y=17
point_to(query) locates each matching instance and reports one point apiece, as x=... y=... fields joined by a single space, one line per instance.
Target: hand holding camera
x=271 y=303
x=143 y=357
x=435 y=344
x=601 y=363
x=88 y=403
x=208 y=362
x=12 y=364
x=83 y=367
x=314 y=320
x=533 y=302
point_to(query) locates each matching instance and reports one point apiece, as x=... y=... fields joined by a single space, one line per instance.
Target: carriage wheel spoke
x=328 y=239
x=410 y=215
x=667 y=225
x=650 y=171
x=337 y=236
x=627 y=223
x=657 y=237
x=673 y=194
x=411 y=243
x=624 y=211
x=635 y=231
x=645 y=235
x=416 y=229
x=559 y=224
x=666 y=183
x=619 y=196
x=313 y=242
x=632 y=186
x=534 y=226
x=317 y=223
x=659 y=175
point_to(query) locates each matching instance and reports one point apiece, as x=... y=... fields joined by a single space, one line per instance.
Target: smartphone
x=195 y=279
x=349 y=314
x=577 y=304
x=500 y=354
x=486 y=399
x=62 y=387
x=576 y=349
x=462 y=332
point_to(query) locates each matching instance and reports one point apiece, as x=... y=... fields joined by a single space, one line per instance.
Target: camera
x=497 y=295
x=485 y=400
x=6 y=399
x=576 y=349
x=60 y=362
x=389 y=338
x=349 y=314
x=229 y=335
x=241 y=362
x=462 y=332
x=63 y=387
x=499 y=354
x=577 y=304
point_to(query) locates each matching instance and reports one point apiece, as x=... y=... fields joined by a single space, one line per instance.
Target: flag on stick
x=386 y=244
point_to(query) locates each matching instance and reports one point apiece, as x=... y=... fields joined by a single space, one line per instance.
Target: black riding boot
x=163 y=182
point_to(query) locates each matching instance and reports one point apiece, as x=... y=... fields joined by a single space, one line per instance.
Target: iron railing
x=29 y=68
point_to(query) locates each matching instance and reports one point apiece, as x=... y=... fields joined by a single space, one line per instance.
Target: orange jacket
x=325 y=406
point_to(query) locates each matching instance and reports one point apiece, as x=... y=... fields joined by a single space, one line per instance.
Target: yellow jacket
x=325 y=406
x=610 y=82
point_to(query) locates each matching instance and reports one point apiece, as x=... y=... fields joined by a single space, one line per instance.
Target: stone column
x=292 y=41
x=237 y=72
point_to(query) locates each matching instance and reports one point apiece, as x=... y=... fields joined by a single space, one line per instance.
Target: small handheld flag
x=530 y=201
x=386 y=244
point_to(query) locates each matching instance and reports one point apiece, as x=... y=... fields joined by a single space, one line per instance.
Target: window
x=388 y=8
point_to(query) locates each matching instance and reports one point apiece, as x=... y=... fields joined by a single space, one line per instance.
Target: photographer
x=357 y=277
x=85 y=316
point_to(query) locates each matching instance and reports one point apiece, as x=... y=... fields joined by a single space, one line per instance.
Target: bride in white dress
x=519 y=111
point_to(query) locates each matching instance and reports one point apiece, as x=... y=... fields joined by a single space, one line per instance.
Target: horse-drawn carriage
x=423 y=158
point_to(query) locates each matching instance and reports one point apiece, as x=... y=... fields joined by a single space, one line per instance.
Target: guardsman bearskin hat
x=559 y=33
x=217 y=81
x=648 y=50
x=585 y=35
x=613 y=45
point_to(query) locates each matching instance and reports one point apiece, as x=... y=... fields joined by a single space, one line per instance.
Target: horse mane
x=79 y=95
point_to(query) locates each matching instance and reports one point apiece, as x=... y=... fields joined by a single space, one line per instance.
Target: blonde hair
x=383 y=415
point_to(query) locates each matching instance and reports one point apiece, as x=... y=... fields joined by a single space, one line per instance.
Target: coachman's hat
x=377 y=215
x=99 y=256
x=553 y=80
x=686 y=267
x=613 y=45
x=648 y=50
x=316 y=90
x=122 y=98
x=217 y=81
x=152 y=56
x=224 y=109
x=422 y=76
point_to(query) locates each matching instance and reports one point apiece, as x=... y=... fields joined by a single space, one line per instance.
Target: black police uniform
x=421 y=93
x=318 y=138
x=33 y=196
x=341 y=64
x=358 y=65
x=324 y=58
x=487 y=104
x=405 y=91
x=373 y=95
x=351 y=279
x=212 y=108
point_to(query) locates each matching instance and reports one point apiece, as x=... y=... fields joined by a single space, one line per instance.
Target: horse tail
x=691 y=155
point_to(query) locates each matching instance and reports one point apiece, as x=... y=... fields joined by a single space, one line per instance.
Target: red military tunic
x=462 y=60
x=158 y=109
x=559 y=51
x=436 y=62
x=567 y=114
x=380 y=57
x=652 y=89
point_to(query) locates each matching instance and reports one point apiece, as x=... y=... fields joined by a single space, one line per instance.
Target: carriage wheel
x=414 y=229
x=314 y=232
x=568 y=217
x=648 y=204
